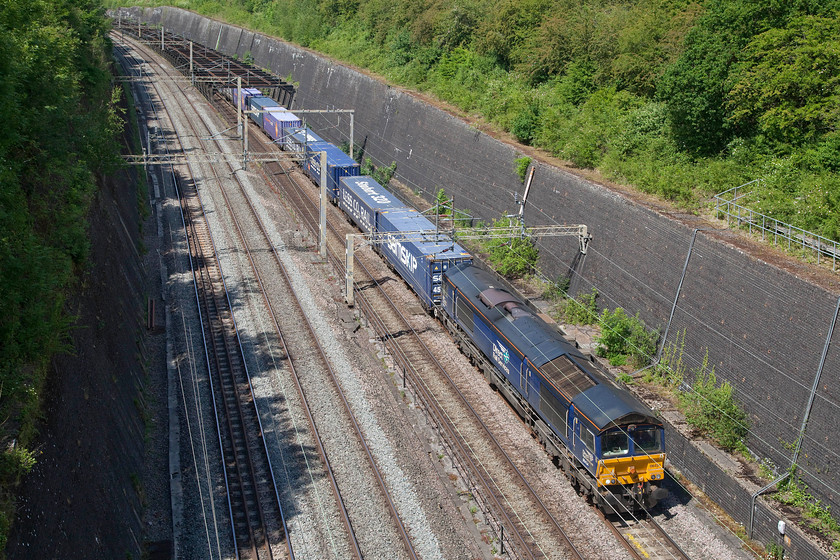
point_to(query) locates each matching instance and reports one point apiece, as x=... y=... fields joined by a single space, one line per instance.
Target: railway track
x=254 y=510
x=257 y=243
x=493 y=474
x=523 y=528
x=257 y=521
x=644 y=538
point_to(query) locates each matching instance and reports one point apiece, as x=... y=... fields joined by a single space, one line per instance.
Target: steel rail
x=328 y=365
x=125 y=54
x=644 y=538
x=377 y=473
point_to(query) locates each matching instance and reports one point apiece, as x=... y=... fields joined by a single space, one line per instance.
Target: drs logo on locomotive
x=501 y=356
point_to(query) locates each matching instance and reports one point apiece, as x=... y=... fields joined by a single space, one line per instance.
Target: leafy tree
x=787 y=84
x=695 y=86
x=648 y=41
x=505 y=29
x=59 y=116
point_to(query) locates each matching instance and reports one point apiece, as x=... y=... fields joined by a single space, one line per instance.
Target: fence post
x=676 y=296
x=815 y=386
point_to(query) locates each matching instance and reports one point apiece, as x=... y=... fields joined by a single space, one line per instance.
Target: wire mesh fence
x=729 y=205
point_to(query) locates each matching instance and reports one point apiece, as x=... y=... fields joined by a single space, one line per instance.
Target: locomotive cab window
x=647 y=440
x=614 y=444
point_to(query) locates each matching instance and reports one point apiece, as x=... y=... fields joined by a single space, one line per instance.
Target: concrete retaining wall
x=764 y=330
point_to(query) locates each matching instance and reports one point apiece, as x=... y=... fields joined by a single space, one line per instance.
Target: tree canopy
x=682 y=98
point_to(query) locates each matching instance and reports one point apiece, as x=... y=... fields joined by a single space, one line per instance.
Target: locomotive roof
x=541 y=343
x=531 y=336
x=607 y=406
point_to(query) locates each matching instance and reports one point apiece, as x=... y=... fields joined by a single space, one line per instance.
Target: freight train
x=609 y=444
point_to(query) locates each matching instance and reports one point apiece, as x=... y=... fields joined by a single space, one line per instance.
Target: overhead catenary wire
x=794 y=381
x=470 y=180
x=754 y=281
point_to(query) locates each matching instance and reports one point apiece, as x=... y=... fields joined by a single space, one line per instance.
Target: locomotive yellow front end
x=631 y=468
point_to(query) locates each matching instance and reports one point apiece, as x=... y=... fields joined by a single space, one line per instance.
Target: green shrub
x=581 y=310
x=670 y=370
x=524 y=126
x=625 y=378
x=514 y=257
x=443 y=203
x=556 y=291
x=623 y=336
x=521 y=165
x=382 y=175
x=463 y=218
x=794 y=492
x=713 y=410
x=15 y=462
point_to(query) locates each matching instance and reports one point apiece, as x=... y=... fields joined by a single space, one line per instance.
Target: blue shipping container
x=362 y=198
x=309 y=150
x=339 y=165
x=301 y=138
x=421 y=263
x=278 y=123
x=260 y=103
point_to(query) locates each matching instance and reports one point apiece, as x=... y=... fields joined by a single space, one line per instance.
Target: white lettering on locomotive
x=501 y=356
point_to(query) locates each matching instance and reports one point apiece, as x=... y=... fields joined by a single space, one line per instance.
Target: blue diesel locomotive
x=608 y=443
